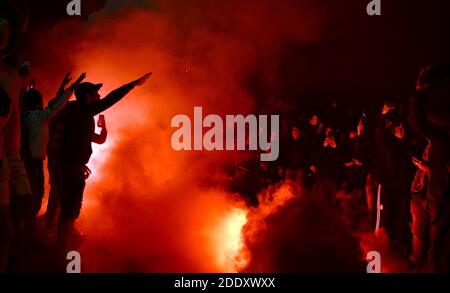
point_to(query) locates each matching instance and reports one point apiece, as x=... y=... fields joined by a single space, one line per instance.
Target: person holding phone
x=75 y=149
x=328 y=164
x=100 y=138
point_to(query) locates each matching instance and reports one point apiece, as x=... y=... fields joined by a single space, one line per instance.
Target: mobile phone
x=101 y=120
x=32 y=85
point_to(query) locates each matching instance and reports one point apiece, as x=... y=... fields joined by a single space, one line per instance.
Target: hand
x=313 y=169
x=67 y=78
x=349 y=164
x=77 y=82
x=330 y=142
x=357 y=163
x=86 y=172
x=101 y=122
x=422 y=81
x=142 y=80
x=386 y=109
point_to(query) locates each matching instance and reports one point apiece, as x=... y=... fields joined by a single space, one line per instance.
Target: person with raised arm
x=34 y=139
x=75 y=149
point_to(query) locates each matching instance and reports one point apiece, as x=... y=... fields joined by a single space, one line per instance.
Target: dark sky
x=382 y=54
x=358 y=56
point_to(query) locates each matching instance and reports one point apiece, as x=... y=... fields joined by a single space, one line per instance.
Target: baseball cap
x=85 y=88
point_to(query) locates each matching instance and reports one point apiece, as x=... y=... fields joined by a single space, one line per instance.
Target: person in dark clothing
x=311 y=135
x=376 y=158
x=295 y=160
x=312 y=131
x=334 y=116
x=56 y=127
x=296 y=150
x=34 y=140
x=355 y=157
x=430 y=116
x=352 y=165
x=75 y=148
x=419 y=212
x=15 y=191
x=328 y=168
x=396 y=183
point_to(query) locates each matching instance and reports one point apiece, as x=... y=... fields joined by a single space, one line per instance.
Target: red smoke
x=292 y=232
x=148 y=208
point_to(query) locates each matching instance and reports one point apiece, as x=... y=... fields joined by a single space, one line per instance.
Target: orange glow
x=230 y=242
x=147 y=208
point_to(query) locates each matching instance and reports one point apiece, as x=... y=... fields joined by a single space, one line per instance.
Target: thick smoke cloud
x=148 y=208
x=293 y=232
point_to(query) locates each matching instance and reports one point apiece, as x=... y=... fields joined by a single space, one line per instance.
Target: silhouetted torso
x=79 y=126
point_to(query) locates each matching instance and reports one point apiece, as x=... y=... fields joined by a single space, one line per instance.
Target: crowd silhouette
x=393 y=161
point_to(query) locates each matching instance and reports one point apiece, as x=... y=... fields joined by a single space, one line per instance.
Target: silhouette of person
x=13 y=177
x=75 y=149
x=35 y=135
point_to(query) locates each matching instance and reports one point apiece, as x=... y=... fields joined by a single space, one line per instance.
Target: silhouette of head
x=88 y=92
x=32 y=100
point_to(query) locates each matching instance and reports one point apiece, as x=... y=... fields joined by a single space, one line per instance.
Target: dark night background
x=358 y=57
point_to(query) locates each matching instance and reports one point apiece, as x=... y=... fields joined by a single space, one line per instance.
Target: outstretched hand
x=67 y=78
x=142 y=80
x=78 y=81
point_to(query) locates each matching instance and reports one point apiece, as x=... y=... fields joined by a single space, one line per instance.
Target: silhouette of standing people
x=75 y=149
x=13 y=177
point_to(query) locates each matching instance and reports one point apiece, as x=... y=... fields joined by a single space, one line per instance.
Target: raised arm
x=62 y=87
x=62 y=97
x=112 y=98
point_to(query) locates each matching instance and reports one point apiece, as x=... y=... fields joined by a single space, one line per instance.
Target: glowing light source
x=231 y=247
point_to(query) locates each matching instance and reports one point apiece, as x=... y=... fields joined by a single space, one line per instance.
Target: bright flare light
x=231 y=248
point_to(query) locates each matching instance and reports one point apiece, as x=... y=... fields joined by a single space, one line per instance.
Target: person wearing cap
x=75 y=149
x=35 y=136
